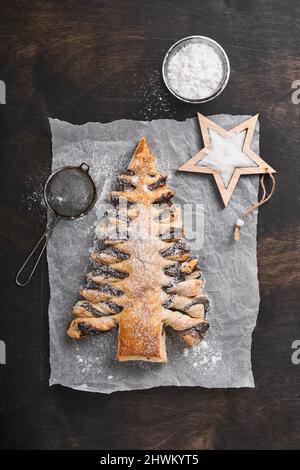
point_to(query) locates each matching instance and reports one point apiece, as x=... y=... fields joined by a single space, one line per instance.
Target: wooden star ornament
x=227 y=155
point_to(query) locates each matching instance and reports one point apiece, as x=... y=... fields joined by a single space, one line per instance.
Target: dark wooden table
x=95 y=60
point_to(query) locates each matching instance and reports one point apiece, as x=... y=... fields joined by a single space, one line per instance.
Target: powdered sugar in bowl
x=196 y=69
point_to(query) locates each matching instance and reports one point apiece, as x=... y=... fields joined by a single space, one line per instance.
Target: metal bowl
x=203 y=40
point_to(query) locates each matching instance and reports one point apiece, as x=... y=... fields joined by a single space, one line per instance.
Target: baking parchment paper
x=223 y=359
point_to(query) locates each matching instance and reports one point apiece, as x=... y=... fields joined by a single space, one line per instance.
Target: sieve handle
x=45 y=237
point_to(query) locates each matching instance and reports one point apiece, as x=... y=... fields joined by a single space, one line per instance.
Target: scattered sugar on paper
x=205 y=355
x=112 y=159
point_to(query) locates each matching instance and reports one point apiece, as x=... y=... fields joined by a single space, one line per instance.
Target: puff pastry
x=143 y=278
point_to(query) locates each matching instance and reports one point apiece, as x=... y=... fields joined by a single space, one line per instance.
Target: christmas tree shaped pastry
x=143 y=278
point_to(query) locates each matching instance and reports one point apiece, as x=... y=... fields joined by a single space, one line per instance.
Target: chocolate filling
x=168 y=302
x=173 y=233
x=92 y=309
x=171 y=284
x=113 y=307
x=164 y=198
x=115 y=252
x=199 y=300
x=175 y=271
x=106 y=288
x=107 y=272
x=87 y=329
x=126 y=185
x=178 y=247
x=115 y=200
x=129 y=172
x=158 y=184
x=165 y=217
x=201 y=328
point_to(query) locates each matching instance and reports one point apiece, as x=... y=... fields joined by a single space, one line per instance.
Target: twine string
x=264 y=198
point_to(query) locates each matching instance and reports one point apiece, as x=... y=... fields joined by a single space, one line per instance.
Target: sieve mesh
x=70 y=192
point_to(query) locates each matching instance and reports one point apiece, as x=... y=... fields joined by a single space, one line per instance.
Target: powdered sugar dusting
x=156 y=101
x=204 y=355
x=34 y=198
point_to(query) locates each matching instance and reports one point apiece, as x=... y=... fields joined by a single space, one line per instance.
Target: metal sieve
x=69 y=193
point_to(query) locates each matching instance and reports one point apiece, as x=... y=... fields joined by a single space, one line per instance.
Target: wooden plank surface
x=100 y=61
